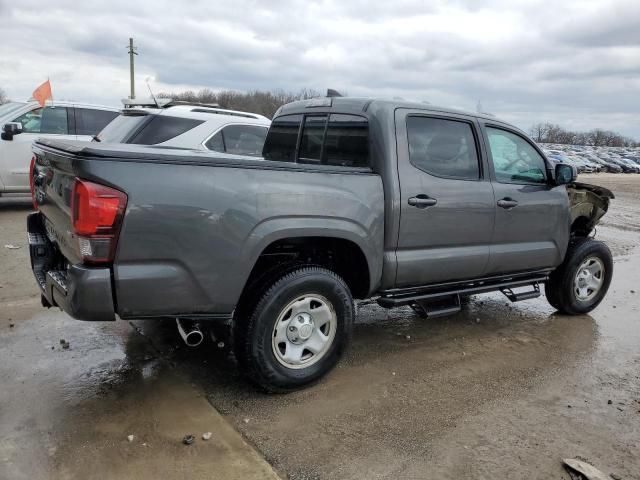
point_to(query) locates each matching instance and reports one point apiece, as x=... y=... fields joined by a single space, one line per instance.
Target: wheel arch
x=338 y=235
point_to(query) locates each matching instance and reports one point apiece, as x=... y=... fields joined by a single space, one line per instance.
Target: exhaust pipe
x=190 y=332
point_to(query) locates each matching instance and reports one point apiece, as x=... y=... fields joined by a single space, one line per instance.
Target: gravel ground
x=499 y=390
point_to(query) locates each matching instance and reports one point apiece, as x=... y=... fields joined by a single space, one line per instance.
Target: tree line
x=256 y=101
x=598 y=137
x=267 y=103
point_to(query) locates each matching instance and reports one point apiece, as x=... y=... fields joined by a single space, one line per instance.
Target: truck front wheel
x=297 y=330
x=581 y=282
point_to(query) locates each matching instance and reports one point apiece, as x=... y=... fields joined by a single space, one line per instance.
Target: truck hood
x=588 y=204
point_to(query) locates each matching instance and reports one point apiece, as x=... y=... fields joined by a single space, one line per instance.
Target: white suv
x=23 y=122
x=189 y=125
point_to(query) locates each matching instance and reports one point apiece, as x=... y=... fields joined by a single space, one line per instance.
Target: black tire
x=253 y=342
x=559 y=289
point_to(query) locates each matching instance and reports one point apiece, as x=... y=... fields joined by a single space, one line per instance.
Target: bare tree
x=539 y=132
x=263 y=102
x=598 y=137
x=3 y=97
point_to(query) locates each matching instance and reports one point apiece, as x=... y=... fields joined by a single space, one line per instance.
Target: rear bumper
x=83 y=292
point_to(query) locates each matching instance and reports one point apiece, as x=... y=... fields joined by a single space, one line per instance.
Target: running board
x=401 y=297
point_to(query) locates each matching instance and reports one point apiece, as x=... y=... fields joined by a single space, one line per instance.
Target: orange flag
x=43 y=93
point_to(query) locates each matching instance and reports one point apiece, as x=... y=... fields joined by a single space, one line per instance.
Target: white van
x=23 y=122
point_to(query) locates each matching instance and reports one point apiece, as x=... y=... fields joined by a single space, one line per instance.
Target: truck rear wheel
x=297 y=330
x=580 y=283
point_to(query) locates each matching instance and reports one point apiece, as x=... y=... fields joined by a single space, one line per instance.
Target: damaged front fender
x=587 y=203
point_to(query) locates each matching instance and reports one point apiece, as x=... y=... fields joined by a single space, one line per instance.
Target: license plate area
x=46 y=259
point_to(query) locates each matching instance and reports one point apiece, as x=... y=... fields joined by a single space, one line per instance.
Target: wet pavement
x=72 y=392
x=499 y=390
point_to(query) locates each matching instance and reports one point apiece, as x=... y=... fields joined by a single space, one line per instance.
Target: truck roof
x=363 y=104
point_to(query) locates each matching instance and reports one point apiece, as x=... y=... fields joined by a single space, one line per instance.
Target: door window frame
x=476 y=140
x=71 y=124
x=513 y=131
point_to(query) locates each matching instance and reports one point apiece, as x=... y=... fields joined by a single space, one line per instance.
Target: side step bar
x=441 y=307
x=439 y=293
x=516 y=297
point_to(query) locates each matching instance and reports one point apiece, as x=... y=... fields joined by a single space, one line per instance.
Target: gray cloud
x=575 y=62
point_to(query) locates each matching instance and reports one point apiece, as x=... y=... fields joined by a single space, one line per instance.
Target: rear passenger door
x=532 y=215
x=447 y=205
x=91 y=121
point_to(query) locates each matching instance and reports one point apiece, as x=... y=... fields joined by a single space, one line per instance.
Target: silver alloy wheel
x=304 y=331
x=589 y=279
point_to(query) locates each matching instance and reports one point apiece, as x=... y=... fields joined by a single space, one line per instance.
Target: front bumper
x=82 y=292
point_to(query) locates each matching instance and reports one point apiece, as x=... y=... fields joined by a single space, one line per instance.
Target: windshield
x=10 y=107
x=120 y=128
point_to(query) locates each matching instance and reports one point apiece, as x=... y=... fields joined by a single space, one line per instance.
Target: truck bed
x=195 y=223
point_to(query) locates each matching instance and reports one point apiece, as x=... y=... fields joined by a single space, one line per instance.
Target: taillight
x=32 y=184
x=97 y=213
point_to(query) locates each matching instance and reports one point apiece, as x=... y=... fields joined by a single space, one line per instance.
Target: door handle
x=422 y=201
x=507 y=203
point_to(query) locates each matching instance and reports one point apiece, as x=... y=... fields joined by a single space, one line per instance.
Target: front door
x=50 y=122
x=532 y=215
x=447 y=205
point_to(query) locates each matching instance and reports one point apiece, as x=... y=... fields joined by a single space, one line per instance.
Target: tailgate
x=83 y=291
x=53 y=177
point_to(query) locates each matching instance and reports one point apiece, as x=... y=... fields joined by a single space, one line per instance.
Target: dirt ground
x=499 y=390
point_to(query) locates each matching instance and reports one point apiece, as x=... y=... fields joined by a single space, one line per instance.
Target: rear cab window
x=282 y=139
x=319 y=139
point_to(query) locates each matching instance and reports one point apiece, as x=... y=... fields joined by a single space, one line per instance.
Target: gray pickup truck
x=355 y=198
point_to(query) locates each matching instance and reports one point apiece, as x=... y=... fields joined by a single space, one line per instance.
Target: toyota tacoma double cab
x=407 y=203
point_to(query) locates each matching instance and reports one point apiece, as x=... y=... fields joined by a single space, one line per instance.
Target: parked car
x=190 y=126
x=353 y=198
x=634 y=158
x=23 y=122
x=626 y=165
x=584 y=165
x=606 y=166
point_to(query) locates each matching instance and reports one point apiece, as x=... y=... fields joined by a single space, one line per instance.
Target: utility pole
x=132 y=52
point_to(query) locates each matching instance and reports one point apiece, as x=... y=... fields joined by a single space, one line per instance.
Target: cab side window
x=514 y=159
x=51 y=120
x=443 y=148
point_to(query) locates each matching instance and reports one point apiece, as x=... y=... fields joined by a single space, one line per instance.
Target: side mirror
x=10 y=129
x=565 y=174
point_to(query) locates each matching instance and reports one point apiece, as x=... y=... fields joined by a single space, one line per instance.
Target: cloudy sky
x=573 y=62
